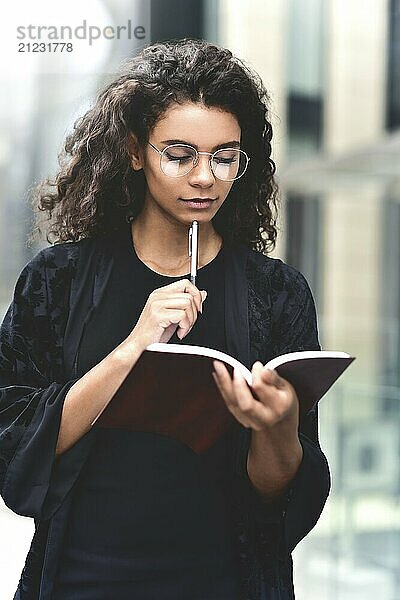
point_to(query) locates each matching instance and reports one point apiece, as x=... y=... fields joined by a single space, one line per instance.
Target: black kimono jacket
x=269 y=311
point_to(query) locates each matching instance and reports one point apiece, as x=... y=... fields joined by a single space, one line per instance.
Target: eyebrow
x=231 y=144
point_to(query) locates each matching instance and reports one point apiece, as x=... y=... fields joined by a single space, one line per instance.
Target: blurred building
x=333 y=71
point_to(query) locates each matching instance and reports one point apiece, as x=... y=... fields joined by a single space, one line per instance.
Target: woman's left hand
x=277 y=403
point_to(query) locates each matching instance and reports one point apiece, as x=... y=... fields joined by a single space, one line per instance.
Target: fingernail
x=204 y=294
x=217 y=367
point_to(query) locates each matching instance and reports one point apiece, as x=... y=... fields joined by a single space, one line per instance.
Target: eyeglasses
x=226 y=164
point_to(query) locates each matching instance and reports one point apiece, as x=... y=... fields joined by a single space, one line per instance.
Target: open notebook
x=171 y=391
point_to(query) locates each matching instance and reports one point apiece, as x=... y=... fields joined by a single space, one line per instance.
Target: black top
x=269 y=310
x=150 y=518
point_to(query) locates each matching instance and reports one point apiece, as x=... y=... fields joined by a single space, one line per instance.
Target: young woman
x=182 y=134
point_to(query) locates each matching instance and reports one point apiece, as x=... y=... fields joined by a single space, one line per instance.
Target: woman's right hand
x=169 y=308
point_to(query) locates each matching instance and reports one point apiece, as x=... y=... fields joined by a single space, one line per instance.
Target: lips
x=201 y=200
x=198 y=203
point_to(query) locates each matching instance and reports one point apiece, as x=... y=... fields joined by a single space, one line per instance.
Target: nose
x=201 y=174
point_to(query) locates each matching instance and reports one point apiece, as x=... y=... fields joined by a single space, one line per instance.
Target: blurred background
x=333 y=71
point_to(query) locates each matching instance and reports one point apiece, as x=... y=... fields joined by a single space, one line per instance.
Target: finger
x=185 y=302
x=224 y=380
x=256 y=372
x=265 y=390
x=273 y=390
x=225 y=384
x=191 y=313
x=260 y=383
x=272 y=377
x=181 y=300
x=185 y=285
x=227 y=397
x=169 y=316
x=178 y=298
x=256 y=412
x=273 y=393
x=191 y=317
x=239 y=399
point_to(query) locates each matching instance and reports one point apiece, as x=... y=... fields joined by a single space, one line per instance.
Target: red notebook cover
x=170 y=394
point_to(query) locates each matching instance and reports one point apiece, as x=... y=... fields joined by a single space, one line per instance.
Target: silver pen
x=194 y=250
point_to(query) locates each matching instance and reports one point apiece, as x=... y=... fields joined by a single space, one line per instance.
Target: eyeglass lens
x=226 y=164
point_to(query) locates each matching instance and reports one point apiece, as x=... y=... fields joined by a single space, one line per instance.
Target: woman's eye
x=225 y=161
x=180 y=158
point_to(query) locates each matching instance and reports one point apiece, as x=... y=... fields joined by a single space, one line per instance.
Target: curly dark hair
x=96 y=189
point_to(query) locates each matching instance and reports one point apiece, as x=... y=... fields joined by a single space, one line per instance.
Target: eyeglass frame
x=196 y=159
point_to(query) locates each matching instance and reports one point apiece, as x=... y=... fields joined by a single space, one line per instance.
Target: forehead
x=198 y=124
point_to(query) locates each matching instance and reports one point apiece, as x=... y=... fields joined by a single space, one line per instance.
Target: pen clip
x=190 y=241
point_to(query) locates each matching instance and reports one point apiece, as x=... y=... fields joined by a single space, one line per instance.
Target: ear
x=134 y=151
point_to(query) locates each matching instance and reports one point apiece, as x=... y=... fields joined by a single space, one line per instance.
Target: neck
x=164 y=247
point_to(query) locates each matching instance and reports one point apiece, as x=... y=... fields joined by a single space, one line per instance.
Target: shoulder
x=60 y=256
x=274 y=276
x=280 y=298
x=52 y=267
